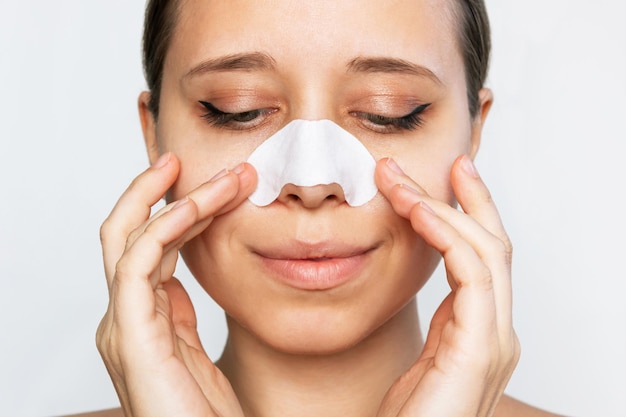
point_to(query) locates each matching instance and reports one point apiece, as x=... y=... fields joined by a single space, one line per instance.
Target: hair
x=474 y=35
x=473 y=32
x=159 y=23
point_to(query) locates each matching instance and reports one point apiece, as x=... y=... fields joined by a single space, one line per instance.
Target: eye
x=385 y=124
x=235 y=121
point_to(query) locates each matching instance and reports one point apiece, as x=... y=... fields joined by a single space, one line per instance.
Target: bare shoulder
x=510 y=407
x=114 y=412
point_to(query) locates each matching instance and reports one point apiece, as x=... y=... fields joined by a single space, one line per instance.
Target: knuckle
x=511 y=352
x=106 y=229
x=487 y=198
x=103 y=337
x=504 y=250
x=517 y=349
x=132 y=237
x=122 y=269
x=484 y=278
x=508 y=250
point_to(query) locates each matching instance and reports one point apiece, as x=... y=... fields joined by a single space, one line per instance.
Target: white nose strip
x=308 y=153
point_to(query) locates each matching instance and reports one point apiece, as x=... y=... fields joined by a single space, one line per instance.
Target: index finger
x=134 y=207
x=475 y=198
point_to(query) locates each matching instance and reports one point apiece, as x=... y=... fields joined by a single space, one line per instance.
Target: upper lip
x=299 y=250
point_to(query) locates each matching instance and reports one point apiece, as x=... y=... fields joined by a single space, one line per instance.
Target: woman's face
x=309 y=273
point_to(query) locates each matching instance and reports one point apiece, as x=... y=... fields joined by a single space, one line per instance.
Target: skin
x=352 y=350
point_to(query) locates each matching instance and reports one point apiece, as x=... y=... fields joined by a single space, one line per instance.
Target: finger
x=133 y=208
x=404 y=193
x=141 y=267
x=474 y=308
x=476 y=201
x=208 y=206
x=441 y=317
x=475 y=198
x=247 y=177
x=396 y=186
x=138 y=271
x=183 y=315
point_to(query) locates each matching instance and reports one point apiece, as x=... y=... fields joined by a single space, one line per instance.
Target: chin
x=317 y=335
x=315 y=330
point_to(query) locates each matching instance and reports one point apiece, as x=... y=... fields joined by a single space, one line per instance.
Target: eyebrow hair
x=390 y=65
x=259 y=61
x=235 y=62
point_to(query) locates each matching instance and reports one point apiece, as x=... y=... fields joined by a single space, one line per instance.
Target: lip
x=314 y=266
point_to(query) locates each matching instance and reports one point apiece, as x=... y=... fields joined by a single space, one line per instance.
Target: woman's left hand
x=471 y=349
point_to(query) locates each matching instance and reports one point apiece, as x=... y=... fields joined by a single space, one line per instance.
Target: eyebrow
x=236 y=62
x=259 y=61
x=390 y=65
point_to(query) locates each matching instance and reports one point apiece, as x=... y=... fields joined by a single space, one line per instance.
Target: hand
x=471 y=349
x=148 y=338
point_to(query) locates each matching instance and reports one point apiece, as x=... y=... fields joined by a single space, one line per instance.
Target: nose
x=312 y=197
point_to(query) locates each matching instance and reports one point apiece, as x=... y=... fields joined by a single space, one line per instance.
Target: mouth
x=316 y=266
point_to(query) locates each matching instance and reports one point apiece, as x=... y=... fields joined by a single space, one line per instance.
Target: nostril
x=293 y=197
x=312 y=196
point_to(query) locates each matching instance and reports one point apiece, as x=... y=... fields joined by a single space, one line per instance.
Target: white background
x=552 y=154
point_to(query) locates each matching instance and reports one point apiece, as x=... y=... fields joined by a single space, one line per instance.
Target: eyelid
x=386 y=124
x=228 y=120
x=418 y=109
x=385 y=111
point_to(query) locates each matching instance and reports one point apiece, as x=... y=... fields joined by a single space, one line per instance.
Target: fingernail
x=162 y=161
x=219 y=175
x=239 y=168
x=427 y=208
x=180 y=203
x=394 y=166
x=411 y=189
x=468 y=166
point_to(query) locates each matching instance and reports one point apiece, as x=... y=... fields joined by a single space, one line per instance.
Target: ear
x=148 y=126
x=485 y=100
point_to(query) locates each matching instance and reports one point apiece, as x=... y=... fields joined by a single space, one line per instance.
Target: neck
x=348 y=383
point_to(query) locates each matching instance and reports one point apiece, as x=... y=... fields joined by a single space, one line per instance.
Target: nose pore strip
x=308 y=153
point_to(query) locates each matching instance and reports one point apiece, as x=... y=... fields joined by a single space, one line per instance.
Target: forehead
x=317 y=35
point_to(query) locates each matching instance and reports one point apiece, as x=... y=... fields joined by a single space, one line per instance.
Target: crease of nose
x=312 y=197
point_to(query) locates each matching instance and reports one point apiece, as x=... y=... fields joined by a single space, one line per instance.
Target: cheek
x=216 y=261
x=201 y=154
x=428 y=158
x=200 y=163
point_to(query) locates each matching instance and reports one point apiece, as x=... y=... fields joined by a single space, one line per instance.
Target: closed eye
x=385 y=124
x=235 y=121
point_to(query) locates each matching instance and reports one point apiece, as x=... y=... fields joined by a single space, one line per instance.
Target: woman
x=319 y=295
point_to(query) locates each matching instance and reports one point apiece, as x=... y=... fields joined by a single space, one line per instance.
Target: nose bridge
x=313 y=103
x=316 y=95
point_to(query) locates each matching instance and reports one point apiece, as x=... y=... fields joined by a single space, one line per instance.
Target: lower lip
x=315 y=274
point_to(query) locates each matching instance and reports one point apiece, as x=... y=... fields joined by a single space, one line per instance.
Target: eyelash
x=242 y=120
x=235 y=121
x=411 y=121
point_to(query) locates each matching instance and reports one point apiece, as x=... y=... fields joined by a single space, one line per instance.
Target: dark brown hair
x=475 y=42
x=473 y=32
x=159 y=23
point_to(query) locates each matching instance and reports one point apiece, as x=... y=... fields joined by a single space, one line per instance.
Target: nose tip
x=313 y=196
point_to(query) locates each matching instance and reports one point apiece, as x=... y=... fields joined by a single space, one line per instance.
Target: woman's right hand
x=148 y=338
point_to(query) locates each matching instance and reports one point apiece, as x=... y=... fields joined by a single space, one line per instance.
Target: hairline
x=459 y=22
